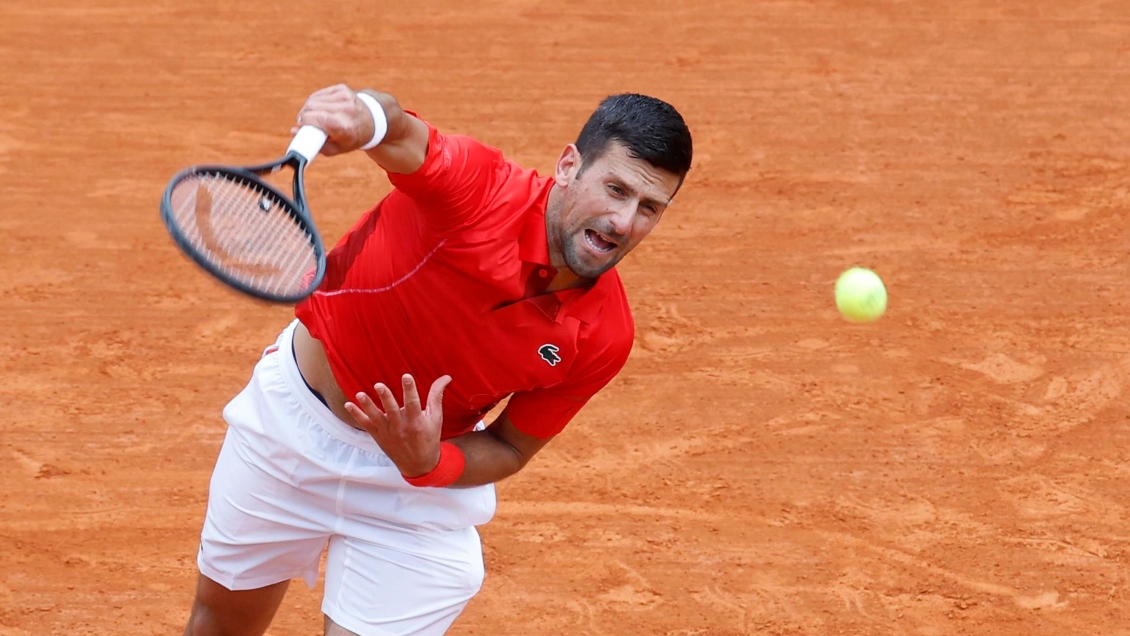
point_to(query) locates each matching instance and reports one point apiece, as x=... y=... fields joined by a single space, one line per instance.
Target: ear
x=568 y=164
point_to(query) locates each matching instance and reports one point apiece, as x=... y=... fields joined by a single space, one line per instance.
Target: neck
x=565 y=279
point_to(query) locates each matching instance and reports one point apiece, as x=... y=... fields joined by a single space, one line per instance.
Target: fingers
x=329 y=97
x=388 y=401
x=333 y=110
x=336 y=90
x=435 y=394
x=411 y=396
x=335 y=99
x=412 y=404
x=389 y=411
x=323 y=118
x=366 y=413
x=359 y=416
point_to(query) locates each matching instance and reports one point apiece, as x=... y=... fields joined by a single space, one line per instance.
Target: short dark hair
x=650 y=129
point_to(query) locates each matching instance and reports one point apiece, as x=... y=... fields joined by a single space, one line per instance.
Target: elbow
x=516 y=460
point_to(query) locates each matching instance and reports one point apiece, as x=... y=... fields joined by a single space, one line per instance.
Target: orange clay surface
x=761 y=466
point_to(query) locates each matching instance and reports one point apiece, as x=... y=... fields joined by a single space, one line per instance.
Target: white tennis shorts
x=292 y=479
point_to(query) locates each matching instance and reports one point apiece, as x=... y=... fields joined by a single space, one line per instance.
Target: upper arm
x=449 y=176
x=524 y=445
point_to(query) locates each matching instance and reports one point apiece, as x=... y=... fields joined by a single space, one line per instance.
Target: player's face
x=609 y=205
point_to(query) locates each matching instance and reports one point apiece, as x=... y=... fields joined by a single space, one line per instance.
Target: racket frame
x=297 y=209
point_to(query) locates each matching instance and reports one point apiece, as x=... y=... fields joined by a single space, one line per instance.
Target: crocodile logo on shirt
x=548 y=353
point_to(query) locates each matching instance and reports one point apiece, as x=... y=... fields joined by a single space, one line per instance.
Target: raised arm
x=350 y=123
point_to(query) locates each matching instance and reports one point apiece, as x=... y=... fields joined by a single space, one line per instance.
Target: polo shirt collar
x=533 y=245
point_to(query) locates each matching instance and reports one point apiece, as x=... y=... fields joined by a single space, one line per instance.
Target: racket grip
x=307 y=142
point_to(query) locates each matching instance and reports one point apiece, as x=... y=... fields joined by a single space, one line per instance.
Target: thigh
x=330 y=628
x=401 y=582
x=259 y=529
x=218 y=611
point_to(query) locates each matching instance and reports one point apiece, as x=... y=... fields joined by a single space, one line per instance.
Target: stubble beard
x=575 y=249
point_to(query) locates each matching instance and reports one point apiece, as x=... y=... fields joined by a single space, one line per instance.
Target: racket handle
x=307 y=142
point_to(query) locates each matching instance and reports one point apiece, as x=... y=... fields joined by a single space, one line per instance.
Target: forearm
x=488 y=459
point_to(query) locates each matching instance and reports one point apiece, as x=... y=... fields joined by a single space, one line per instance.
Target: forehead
x=649 y=181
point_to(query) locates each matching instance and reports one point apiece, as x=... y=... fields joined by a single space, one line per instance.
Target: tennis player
x=360 y=434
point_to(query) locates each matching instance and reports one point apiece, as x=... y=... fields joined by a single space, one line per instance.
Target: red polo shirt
x=446 y=275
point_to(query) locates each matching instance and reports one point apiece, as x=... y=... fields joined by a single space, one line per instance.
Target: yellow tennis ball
x=861 y=295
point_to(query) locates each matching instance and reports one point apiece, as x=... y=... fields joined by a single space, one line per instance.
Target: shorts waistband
x=308 y=387
x=310 y=402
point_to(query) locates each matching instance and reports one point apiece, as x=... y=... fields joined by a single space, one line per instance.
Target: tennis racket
x=246 y=232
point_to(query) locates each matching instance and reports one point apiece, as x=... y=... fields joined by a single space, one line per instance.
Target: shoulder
x=446 y=149
x=460 y=182
x=448 y=153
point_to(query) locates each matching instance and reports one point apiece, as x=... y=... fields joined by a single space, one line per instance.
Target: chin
x=589 y=269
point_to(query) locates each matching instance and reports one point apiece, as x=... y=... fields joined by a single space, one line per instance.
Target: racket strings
x=233 y=202
x=246 y=231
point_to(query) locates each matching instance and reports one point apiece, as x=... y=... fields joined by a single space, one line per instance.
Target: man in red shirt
x=474 y=277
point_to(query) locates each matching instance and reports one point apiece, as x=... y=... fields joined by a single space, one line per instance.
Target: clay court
x=761 y=466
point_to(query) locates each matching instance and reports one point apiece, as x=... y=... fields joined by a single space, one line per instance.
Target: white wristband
x=380 y=121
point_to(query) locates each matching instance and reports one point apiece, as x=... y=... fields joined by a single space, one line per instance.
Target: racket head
x=245 y=232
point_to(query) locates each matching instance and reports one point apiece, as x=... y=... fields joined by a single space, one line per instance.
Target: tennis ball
x=860 y=295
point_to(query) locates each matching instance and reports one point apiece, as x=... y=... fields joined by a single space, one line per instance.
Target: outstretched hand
x=338 y=111
x=409 y=434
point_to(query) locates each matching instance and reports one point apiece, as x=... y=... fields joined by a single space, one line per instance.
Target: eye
x=615 y=189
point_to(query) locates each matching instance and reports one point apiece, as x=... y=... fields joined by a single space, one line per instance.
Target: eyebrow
x=643 y=199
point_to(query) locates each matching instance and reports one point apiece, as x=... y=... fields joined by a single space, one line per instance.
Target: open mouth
x=599 y=242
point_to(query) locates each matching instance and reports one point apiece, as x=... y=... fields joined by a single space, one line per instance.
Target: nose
x=622 y=216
